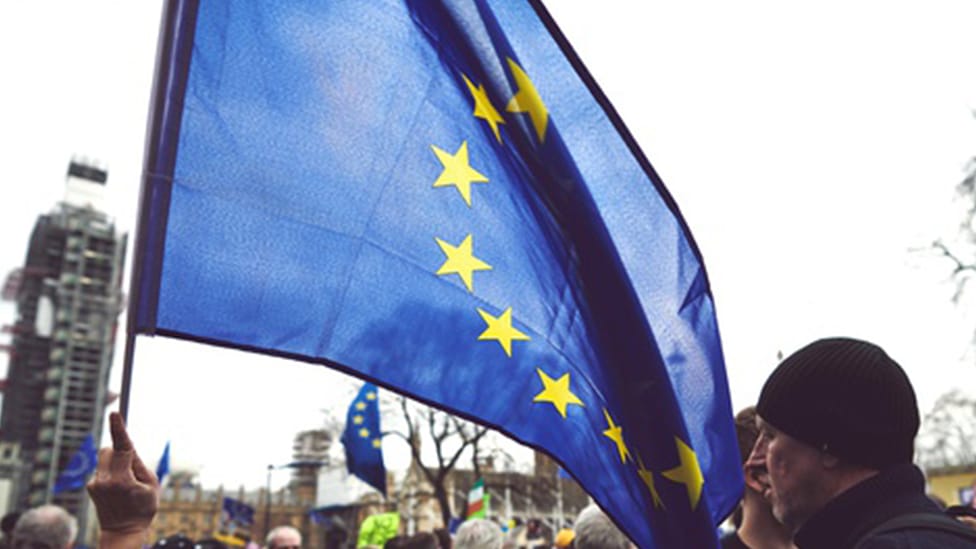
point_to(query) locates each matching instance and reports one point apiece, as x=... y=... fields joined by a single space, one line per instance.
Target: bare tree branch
x=947 y=432
x=450 y=437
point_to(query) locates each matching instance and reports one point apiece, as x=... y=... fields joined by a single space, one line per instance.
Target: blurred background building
x=68 y=298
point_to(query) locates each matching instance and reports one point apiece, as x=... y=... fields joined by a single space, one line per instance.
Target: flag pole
x=142 y=216
x=154 y=187
x=130 y=349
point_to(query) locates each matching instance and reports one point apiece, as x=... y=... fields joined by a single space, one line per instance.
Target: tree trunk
x=441 y=494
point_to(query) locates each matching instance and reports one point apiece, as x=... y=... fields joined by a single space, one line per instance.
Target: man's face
x=286 y=540
x=794 y=475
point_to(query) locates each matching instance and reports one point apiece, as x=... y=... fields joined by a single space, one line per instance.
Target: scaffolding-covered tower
x=68 y=298
x=310 y=452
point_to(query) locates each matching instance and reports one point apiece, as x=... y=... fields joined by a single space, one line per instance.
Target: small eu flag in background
x=363 y=440
x=162 y=468
x=82 y=464
x=435 y=196
x=237 y=513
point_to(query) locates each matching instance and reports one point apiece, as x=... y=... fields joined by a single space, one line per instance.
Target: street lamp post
x=267 y=497
x=267 y=502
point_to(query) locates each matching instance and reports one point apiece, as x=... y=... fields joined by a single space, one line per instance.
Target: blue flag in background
x=75 y=474
x=363 y=440
x=162 y=468
x=236 y=512
x=435 y=196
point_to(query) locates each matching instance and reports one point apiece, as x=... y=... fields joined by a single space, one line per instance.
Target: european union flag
x=436 y=197
x=237 y=512
x=75 y=474
x=162 y=468
x=363 y=440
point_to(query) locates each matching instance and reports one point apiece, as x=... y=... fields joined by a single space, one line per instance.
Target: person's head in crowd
x=283 y=537
x=8 y=522
x=421 y=540
x=7 y=528
x=564 y=538
x=746 y=433
x=753 y=518
x=443 y=538
x=45 y=527
x=210 y=543
x=595 y=530
x=534 y=529
x=175 y=541
x=478 y=534
x=832 y=415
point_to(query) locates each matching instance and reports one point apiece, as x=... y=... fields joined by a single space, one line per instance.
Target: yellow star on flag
x=527 y=100
x=556 y=392
x=483 y=108
x=648 y=478
x=364 y=432
x=688 y=473
x=461 y=261
x=360 y=406
x=615 y=433
x=371 y=396
x=357 y=420
x=377 y=443
x=457 y=171
x=501 y=330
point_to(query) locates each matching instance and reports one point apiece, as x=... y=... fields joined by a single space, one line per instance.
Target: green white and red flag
x=477 y=500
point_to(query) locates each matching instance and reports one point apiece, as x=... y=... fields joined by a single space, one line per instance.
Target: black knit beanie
x=845 y=396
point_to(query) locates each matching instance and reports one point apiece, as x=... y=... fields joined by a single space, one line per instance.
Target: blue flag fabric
x=436 y=197
x=362 y=439
x=237 y=512
x=75 y=474
x=162 y=468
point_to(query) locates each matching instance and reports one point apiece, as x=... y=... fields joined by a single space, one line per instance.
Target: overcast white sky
x=810 y=148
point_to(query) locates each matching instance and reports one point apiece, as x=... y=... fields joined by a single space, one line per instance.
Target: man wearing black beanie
x=837 y=424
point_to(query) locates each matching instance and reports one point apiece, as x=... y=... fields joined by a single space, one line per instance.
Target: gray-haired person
x=595 y=530
x=45 y=527
x=478 y=534
x=284 y=537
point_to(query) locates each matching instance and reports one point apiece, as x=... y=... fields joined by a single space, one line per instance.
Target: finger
x=120 y=464
x=120 y=437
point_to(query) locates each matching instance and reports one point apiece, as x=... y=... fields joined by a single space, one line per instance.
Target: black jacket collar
x=895 y=491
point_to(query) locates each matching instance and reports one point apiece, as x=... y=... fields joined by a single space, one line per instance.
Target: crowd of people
x=826 y=455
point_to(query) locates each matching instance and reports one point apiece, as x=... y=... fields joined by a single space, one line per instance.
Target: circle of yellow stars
x=460 y=260
x=358 y=419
